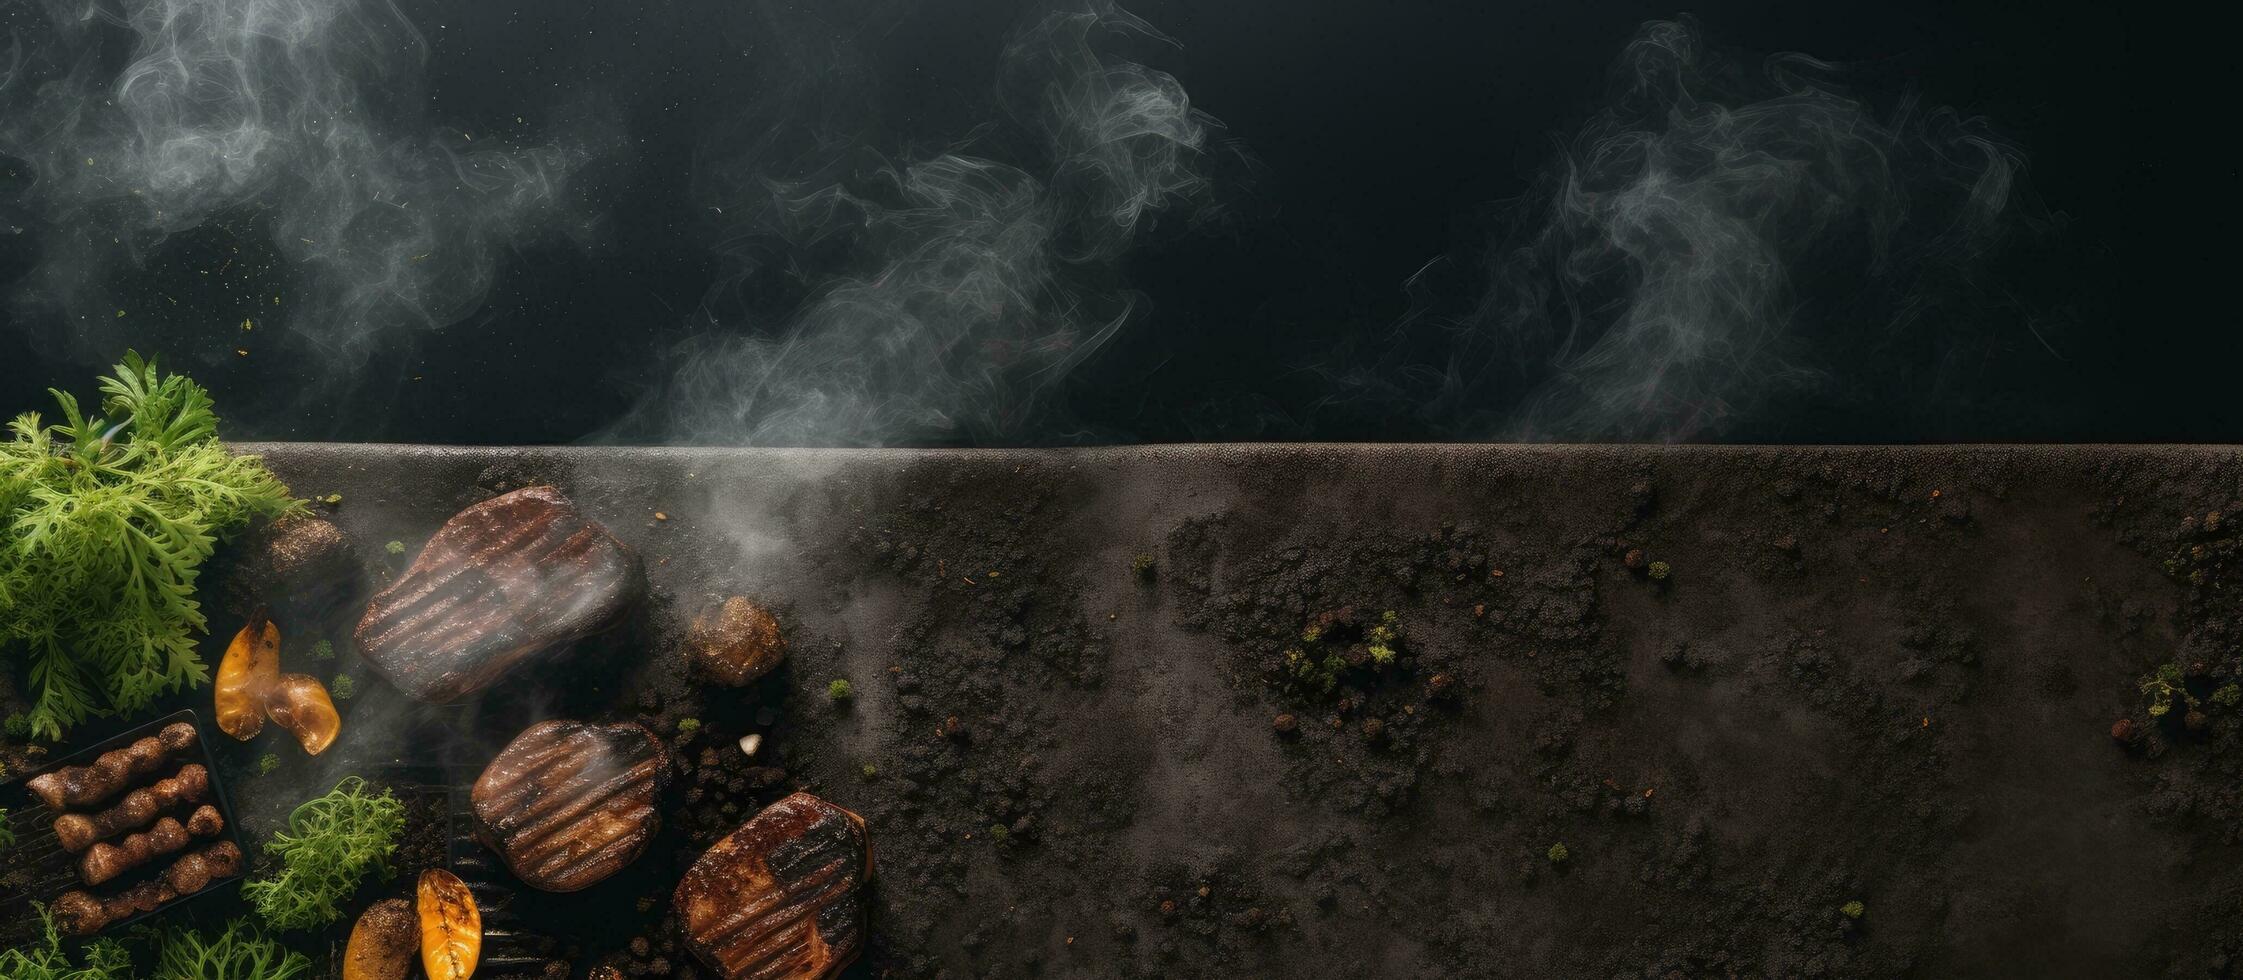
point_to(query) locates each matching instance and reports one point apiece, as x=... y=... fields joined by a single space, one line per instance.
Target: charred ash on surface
x=1385 y=711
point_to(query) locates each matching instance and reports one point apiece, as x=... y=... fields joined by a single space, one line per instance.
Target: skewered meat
x=76 y=786
x=299 y=703
x=568 y=804
x=78 y=831
x=245 y=676
x=81 y=913
x=451 y=926
x=106 y=861
x=383 y=942
x=736 y=643
x=502 y=582
x=783 y=896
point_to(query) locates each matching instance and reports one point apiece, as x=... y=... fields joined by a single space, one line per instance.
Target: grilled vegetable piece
x=567 y=804
x=299 y=703
x=113 y=771
x=383 y=942
x=451 y=927
x=81 y=913
x=106 y=861
x=78 y=831
x=247 y=674
x=501 y=583
x=736 y=643
x=783 y=896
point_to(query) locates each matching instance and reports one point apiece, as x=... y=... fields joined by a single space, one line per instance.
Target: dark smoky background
x=1031 y=223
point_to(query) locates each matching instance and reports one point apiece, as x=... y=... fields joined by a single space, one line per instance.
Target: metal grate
x=38 y=870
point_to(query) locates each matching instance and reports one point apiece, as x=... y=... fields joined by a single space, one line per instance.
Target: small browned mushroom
x=736 y=642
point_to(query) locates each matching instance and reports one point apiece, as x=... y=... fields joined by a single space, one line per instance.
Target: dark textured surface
x=1875 y=675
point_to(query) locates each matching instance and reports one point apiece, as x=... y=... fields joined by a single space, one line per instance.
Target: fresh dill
x=105 y=522
x=331 y=844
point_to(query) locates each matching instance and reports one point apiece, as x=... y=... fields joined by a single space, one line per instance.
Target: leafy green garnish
x=106 y=959
x=239 y=953
x=7 y=832
x=329 y=847
x=104 y=524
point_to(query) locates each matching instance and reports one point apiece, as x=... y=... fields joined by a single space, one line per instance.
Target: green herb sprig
x=239 y=953
x=106 y=959
x=105 y=522
x=331 y=844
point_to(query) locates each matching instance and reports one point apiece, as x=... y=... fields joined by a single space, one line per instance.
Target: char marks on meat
x=78 y=831
x=500 y=583
x=783 y=896
x=567 y=804
x=114 y=770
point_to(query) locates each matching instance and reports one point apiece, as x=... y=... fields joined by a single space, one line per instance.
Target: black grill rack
x=37 y=869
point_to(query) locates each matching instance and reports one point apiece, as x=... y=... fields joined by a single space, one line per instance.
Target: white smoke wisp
x=303 y=118
x=978 y=280
x=1712 y=240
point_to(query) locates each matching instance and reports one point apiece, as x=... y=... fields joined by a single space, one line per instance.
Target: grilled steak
x=500 y=583
x=113 y=770
x=568 y=804
x=783 y=896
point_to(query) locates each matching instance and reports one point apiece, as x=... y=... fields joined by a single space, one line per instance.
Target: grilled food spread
x=113 y=771
x=567 y=804
x=501 y=582
x=78 y=831
x=783 y=896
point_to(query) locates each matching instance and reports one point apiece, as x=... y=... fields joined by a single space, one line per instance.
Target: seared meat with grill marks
x=78 y=831
x=81 y=913
x=114 y=770
x=783 y=896
x=568 y=803
x=106 y=861
x=502 y=582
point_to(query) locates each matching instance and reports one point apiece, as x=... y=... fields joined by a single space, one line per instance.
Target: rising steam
x=293 y=125
x=1711 y=240
x=965 y=285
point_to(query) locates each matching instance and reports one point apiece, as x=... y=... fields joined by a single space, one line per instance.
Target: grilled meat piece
x=106 y=861
x=114 y=770
x=783 y=896
x=81 y=913
x=195 y=872
x=567 y=804
x=78 y=831
x=500 y=583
